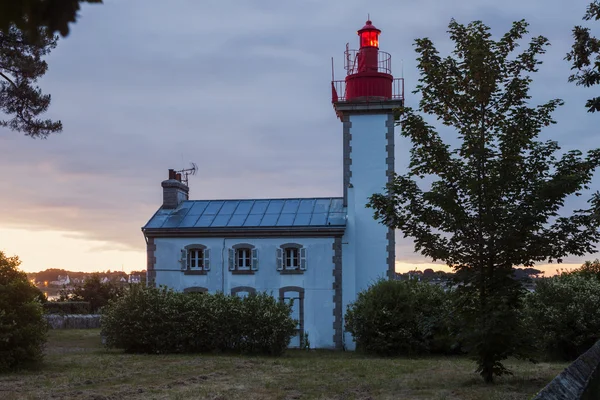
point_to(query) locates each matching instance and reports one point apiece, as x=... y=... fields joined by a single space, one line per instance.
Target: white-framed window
x=243 y=257
x=195 y=258
x=291 y=257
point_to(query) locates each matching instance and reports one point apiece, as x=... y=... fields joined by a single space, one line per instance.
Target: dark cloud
x=240 y=88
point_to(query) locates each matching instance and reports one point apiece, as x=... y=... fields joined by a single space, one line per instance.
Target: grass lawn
x=78 y=367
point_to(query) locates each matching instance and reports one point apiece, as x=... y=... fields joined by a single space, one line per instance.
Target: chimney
x=174 y=191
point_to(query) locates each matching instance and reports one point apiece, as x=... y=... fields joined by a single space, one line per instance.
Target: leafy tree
x=94 y=291
x=585 y=56
x=589 y=269
x=495 y=198
x=30 y=15
x=21 y=65
x=22 y=326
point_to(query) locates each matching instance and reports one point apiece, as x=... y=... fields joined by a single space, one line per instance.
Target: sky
x=241 y=88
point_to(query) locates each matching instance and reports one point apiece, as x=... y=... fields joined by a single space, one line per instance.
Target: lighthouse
x=315 y=253
x=365 y=102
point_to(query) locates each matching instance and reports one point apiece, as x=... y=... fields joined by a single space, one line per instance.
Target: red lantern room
x=369 y=75
x=369 y=36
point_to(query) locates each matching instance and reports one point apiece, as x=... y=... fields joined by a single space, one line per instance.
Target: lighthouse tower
x=365 y=102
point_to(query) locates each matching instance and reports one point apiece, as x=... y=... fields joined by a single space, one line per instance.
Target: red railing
x=384 y=62
x=338 y=89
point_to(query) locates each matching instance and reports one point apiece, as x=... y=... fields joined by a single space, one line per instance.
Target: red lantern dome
x=369 y=36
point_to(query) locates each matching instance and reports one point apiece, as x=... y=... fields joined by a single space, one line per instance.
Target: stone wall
x=579 y=381
x=73 y=321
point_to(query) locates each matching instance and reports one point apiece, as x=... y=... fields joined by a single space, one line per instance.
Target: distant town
x=52 y=280
x=528 y=276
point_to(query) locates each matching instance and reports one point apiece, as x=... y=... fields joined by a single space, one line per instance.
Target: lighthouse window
x=369 y=39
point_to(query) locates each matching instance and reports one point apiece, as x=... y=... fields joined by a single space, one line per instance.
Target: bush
x=564 y=314
x=401 y=318
x=67 y=307
x=159 y=320
x=22 y=325
x=93 y=291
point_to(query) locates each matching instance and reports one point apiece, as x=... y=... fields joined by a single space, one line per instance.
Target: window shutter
x=206 y=259
x=254 y=260
x=279 y=259
x=231 y=258
x=303 y=259
x=184 y=259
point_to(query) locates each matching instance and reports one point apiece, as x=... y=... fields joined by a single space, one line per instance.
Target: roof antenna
x=186 y=172
x=368 y=17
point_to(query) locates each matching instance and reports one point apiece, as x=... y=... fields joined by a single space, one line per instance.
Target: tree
x=495 y=198
x=93 y=291
x=589 y=269
x=22 y=325
x=582 y=56
x=31 y=15
x=21 y=65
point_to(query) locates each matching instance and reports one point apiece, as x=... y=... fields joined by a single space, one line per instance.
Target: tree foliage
x=143 y=321
x=21 y=65
x=393 y=318
x=585 y=55
x=496 y=197
x=22 y=326
x=93 y=291
x=30 y=15
x=564 y=314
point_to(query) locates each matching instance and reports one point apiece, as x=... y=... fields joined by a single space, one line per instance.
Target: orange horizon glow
x=41 y=250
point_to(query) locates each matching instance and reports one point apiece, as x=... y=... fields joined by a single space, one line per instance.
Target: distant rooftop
x=324 y=211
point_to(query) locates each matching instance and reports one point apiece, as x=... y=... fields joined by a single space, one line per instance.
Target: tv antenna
x=186 y=172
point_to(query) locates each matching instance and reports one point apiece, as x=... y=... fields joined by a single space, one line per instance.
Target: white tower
x=365 y=102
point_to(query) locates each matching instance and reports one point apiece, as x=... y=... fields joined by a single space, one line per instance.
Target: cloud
x=240 y=88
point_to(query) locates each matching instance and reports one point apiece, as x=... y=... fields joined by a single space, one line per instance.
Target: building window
x=243 y=259
x=291 y=258
x=242 y=291
x=195 y=259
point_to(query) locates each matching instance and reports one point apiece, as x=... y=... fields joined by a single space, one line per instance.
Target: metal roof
x=327 y=211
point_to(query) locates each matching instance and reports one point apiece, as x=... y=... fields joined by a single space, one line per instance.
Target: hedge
x=401 y=318
x=159 y=320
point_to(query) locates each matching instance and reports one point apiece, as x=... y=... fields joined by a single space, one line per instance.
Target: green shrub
x=401 y=317
x=22 y=325
x=159 y=320
x=67 y=307
x=564 y=314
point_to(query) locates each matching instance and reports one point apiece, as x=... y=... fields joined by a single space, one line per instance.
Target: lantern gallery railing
x=338 y=89
x=351 y=62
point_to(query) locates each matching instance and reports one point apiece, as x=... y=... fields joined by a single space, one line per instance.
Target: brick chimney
x=174 y=191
